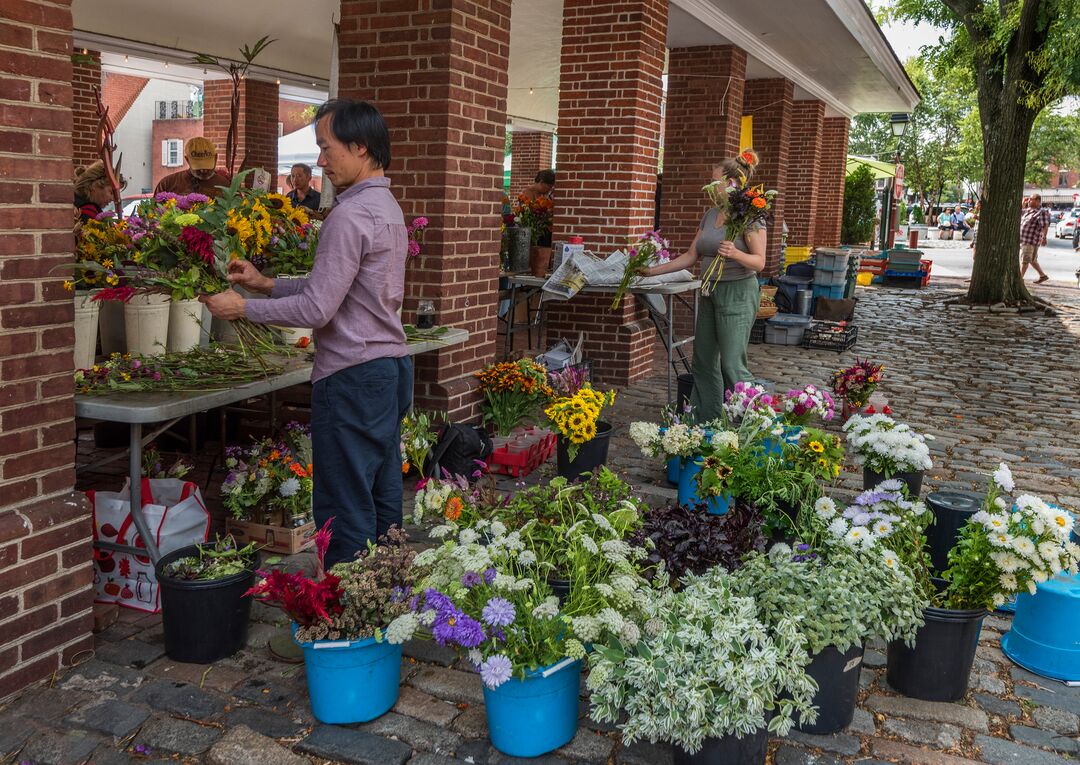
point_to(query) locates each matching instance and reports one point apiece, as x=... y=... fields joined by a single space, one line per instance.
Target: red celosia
x=198 y=242
x=115 y=293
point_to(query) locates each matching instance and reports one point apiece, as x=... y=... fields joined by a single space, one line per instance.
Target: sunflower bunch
x=100 y=247
x=575 y=417
x=818 y=452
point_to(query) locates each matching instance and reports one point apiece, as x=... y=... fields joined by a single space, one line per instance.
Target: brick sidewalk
x=987 y=386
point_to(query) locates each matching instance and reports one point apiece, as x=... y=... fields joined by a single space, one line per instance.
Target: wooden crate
x=277 y=539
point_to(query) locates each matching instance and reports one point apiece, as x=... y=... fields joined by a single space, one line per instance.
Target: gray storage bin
x=827 y=259
x=826 y=278
x=786 y=329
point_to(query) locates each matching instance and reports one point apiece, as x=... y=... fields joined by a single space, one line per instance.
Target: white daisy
x=1003 y=477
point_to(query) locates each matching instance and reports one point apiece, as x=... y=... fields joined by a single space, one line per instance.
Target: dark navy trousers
x=356 y=443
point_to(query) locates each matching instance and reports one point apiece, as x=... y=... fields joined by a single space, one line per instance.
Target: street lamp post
x=898 y=123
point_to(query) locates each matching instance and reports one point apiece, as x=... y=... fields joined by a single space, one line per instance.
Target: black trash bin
x=951 y=509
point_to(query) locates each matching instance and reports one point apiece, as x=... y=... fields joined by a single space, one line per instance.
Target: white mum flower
x=825 y=507
x=1008 y=582
x=1000 y=503
x=838 y=527
x=856 y=535
x=1003 y=478
x=289 y=487
x=527 y=558
x=1024 y=546
x=882 y=528
x=890 y=559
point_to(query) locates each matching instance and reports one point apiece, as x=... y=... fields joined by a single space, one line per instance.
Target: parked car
x=1067 y=225
x=1056 y=215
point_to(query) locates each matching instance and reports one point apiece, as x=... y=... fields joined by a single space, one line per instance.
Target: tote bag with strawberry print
x=177 y=516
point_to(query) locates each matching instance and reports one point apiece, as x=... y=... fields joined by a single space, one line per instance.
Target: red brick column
x=703 y=122
x=770 y=101
x=85 y=76
x=45 y=553
x=830 y=189
x=438 y=74
x=609 y=129
x=530 y=152
x=256 y=127
x=801 y=207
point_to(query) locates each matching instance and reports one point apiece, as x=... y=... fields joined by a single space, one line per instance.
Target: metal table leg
x=670 y=341
x=135 y=492
x=509 y=345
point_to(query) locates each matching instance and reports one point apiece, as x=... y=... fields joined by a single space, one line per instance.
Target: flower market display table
x=167 y=408
x=524 y=286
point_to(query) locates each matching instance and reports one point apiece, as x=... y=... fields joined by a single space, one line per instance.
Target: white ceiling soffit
x=533 y=73
x=835 y=53
x=219 y=28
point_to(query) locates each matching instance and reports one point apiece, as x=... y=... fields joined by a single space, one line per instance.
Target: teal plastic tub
x=1045 y=634
x=688 y=496
x=537 y=715
x=351 y=681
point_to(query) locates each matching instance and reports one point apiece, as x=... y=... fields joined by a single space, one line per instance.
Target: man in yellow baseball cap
x=201 y=175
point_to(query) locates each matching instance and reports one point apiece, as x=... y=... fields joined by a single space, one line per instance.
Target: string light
x=125 y=58
x=278 y=81
x=166 y=64
x=84 y=51
x=530 y=91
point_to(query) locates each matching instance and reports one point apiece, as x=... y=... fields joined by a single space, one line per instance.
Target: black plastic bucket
x=951 y=509
x=203 y=620
x=728 y=750
x=870 y=479
x=684 y=387
x=560 y=588
x=837 y=676
x=591 y=454
x=938 y=667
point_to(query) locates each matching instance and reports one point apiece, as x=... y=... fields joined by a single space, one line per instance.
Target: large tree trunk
x=995 y=277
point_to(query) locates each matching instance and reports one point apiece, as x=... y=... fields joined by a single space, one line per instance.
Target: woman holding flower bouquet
x=733 y=255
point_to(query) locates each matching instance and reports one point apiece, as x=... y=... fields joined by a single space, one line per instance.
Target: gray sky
x=906 y=39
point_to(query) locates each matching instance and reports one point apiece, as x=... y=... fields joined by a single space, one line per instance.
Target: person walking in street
x=1034 y=223
x=725 y=317
x=362 y=378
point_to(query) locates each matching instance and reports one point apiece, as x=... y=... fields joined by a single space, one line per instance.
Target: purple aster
x=499 y=612
x=471 y=579
x=468 y=632
x=496 y=670
x=489 y=575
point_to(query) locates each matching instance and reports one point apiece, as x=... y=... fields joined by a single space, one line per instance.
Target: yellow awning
x=879 y=169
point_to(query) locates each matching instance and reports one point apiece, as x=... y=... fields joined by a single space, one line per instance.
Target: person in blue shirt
x=959 y=222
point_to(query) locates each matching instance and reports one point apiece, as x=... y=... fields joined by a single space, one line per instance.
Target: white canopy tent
x=298 y=147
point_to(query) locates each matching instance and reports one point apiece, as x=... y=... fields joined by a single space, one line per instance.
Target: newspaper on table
x=582 y=269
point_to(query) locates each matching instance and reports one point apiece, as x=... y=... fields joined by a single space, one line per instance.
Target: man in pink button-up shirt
x=362 y=379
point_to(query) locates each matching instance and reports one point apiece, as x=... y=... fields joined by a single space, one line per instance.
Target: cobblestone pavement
x=987 y=386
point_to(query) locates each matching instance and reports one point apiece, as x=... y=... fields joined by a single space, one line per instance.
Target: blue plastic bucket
x=1045 y=634
x=688 y=495
x=537 y=715
x=351 y=681
x=674 y=468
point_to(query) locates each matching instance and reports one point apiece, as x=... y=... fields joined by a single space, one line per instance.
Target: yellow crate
x=864 y=278
x=796 y=255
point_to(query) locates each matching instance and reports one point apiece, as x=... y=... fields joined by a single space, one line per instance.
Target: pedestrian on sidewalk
x=362 y=380
x=1034 y=223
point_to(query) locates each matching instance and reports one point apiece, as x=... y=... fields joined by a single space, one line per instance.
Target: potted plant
x=707 y=674
x=855 y=384
x=649 y=438
x=887 y=449
x=340 y=620
x=801 y=406
x=535 y=214
x=840 y=597
x=454 y=500
x=1003 y=550
x=681 y=540
x=204 y=611
x=418 y=436
x=583 y=437
x=514 y=392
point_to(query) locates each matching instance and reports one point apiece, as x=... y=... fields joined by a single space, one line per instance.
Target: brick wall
x=438 y=73
x=801 y=207
x=257 y=124
x=45 y=553
x=530 y=152
x=613 y=55
x=830 y=190
x=703 y=120
x=119 y=92
x=163 y=130
x=770 y=101
x=85 y=76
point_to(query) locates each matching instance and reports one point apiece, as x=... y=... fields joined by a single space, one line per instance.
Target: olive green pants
x=722 y=331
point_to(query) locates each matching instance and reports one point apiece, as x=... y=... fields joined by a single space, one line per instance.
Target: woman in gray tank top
x=726 y=316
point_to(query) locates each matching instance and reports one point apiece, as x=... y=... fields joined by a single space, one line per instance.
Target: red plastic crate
x=875 y=266
x=521 y=463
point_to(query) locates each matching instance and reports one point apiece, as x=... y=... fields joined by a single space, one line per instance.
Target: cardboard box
x=277 y=539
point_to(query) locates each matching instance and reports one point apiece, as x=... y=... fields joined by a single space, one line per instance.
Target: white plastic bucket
x=185 y=325
x=146 y=324
x=86 y=329
x=292 y=335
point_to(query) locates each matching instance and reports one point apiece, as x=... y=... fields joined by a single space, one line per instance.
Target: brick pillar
x=703 y=121
x=830 y=189
x=801 y=206
x=438 y=74
x=256 y=127
x=45 y=554
x=609 y=133
x=530 y=152
x=770 y=101
x=85 y=76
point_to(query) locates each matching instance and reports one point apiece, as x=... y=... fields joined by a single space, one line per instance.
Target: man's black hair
x=305 y=167
x=361 y=123
x=545 y=176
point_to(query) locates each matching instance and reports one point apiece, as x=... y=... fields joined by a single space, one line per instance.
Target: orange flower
x=453 y=508
x=758 y=202
x=298 y=469
x=275 y=454
x=404 y=467
x=749 y=157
